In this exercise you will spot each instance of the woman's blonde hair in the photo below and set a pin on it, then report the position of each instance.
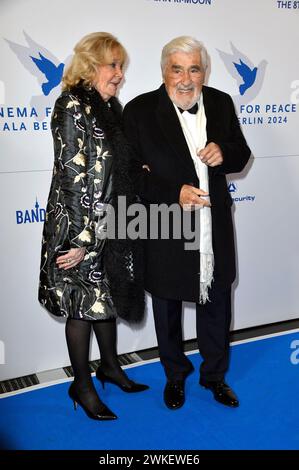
(91, 51)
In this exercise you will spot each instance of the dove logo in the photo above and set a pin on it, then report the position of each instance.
(30, 216)
(248, 76)
(40, 62)
(52, 73)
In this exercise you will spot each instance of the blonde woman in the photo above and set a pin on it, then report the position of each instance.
(88, 280)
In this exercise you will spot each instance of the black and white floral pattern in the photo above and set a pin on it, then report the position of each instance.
(80, 186)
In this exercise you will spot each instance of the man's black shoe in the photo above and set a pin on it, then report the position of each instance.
(222, 392)
(174, 394)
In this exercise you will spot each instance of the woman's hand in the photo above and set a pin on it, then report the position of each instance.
(71, 259)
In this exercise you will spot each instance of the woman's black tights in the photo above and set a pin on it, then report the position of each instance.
(105, 331)
(78, 342)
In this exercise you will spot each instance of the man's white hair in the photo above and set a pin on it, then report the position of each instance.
(185, 44)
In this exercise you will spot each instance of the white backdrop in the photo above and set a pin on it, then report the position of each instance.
(252, 34)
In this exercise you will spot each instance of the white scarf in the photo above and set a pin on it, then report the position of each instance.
(194, 129)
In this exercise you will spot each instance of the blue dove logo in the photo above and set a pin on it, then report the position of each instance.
(249, 77)
(52, 73)
(39, 62)
(247, 74)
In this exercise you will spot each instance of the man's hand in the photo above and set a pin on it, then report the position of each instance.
(71, 259)
(211, 155)
(190, 198)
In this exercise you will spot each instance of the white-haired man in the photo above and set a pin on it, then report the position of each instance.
(185, 138)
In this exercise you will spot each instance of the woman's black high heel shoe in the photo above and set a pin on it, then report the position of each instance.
(132, 387)
(103, 414)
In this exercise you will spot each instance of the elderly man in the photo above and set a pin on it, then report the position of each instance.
(185, 138)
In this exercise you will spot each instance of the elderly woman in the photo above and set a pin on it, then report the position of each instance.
(89, 280)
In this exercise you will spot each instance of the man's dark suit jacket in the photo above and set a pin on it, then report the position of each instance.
(153, 129)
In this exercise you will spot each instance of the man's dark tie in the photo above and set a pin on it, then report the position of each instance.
(192, 110)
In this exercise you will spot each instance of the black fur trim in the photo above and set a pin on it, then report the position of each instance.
(120, 254)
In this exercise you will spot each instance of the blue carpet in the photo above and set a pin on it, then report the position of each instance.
(261, 373)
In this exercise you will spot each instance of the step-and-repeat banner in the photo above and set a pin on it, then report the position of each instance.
(253, 47)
